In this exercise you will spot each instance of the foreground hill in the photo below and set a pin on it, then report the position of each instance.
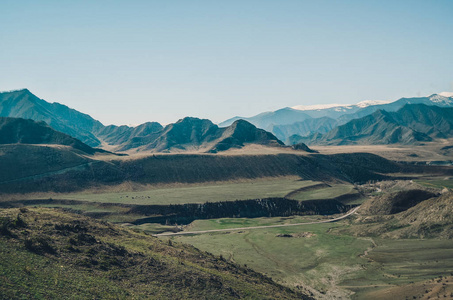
(193, 134)
(411, 124)
(25, 131)
(47, 253)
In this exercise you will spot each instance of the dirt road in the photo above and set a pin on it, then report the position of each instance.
(260, 227)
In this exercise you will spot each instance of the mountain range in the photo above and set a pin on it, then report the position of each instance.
(193, 134)
(308, 120)
(186, 134)
(290, 115)
(405, 121)
(413, 123)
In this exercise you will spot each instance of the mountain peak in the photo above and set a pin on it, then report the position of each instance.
(446, 94)
(242, 123)
(366, 103)
(319, 106)
(440, 99)
(341, 107)
(190, 120)
(24, 90)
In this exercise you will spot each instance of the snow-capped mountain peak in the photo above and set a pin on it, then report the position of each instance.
(366, 103)
(440, 98)
(340, 107)
(446, 94)
(320, 106)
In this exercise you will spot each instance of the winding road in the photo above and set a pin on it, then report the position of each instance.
(259, 227)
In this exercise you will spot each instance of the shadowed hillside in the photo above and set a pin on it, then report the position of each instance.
(50, 169)
(22, 131)
(395, 202)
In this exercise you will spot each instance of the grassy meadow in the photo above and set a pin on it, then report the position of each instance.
(437, 183)
(335, 265)
(320, 258)
(201, 193)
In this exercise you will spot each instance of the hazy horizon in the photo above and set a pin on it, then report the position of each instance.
(129, 63)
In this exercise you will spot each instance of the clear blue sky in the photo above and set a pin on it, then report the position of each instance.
(127, 62)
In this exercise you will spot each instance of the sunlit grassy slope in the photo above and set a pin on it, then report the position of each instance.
(50, 254)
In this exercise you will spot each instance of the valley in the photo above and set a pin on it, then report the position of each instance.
(338, 260)
(352, 214)
(337, 266)
(214, 150)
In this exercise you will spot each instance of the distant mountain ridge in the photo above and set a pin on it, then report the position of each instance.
(413, 123)
(193, 133)
(305, 120)
(304, 128)
(434, 99)
(186, 134)
(116, 135)
(282, 116)
(23, 104)
(367, 122)
(299, 113)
